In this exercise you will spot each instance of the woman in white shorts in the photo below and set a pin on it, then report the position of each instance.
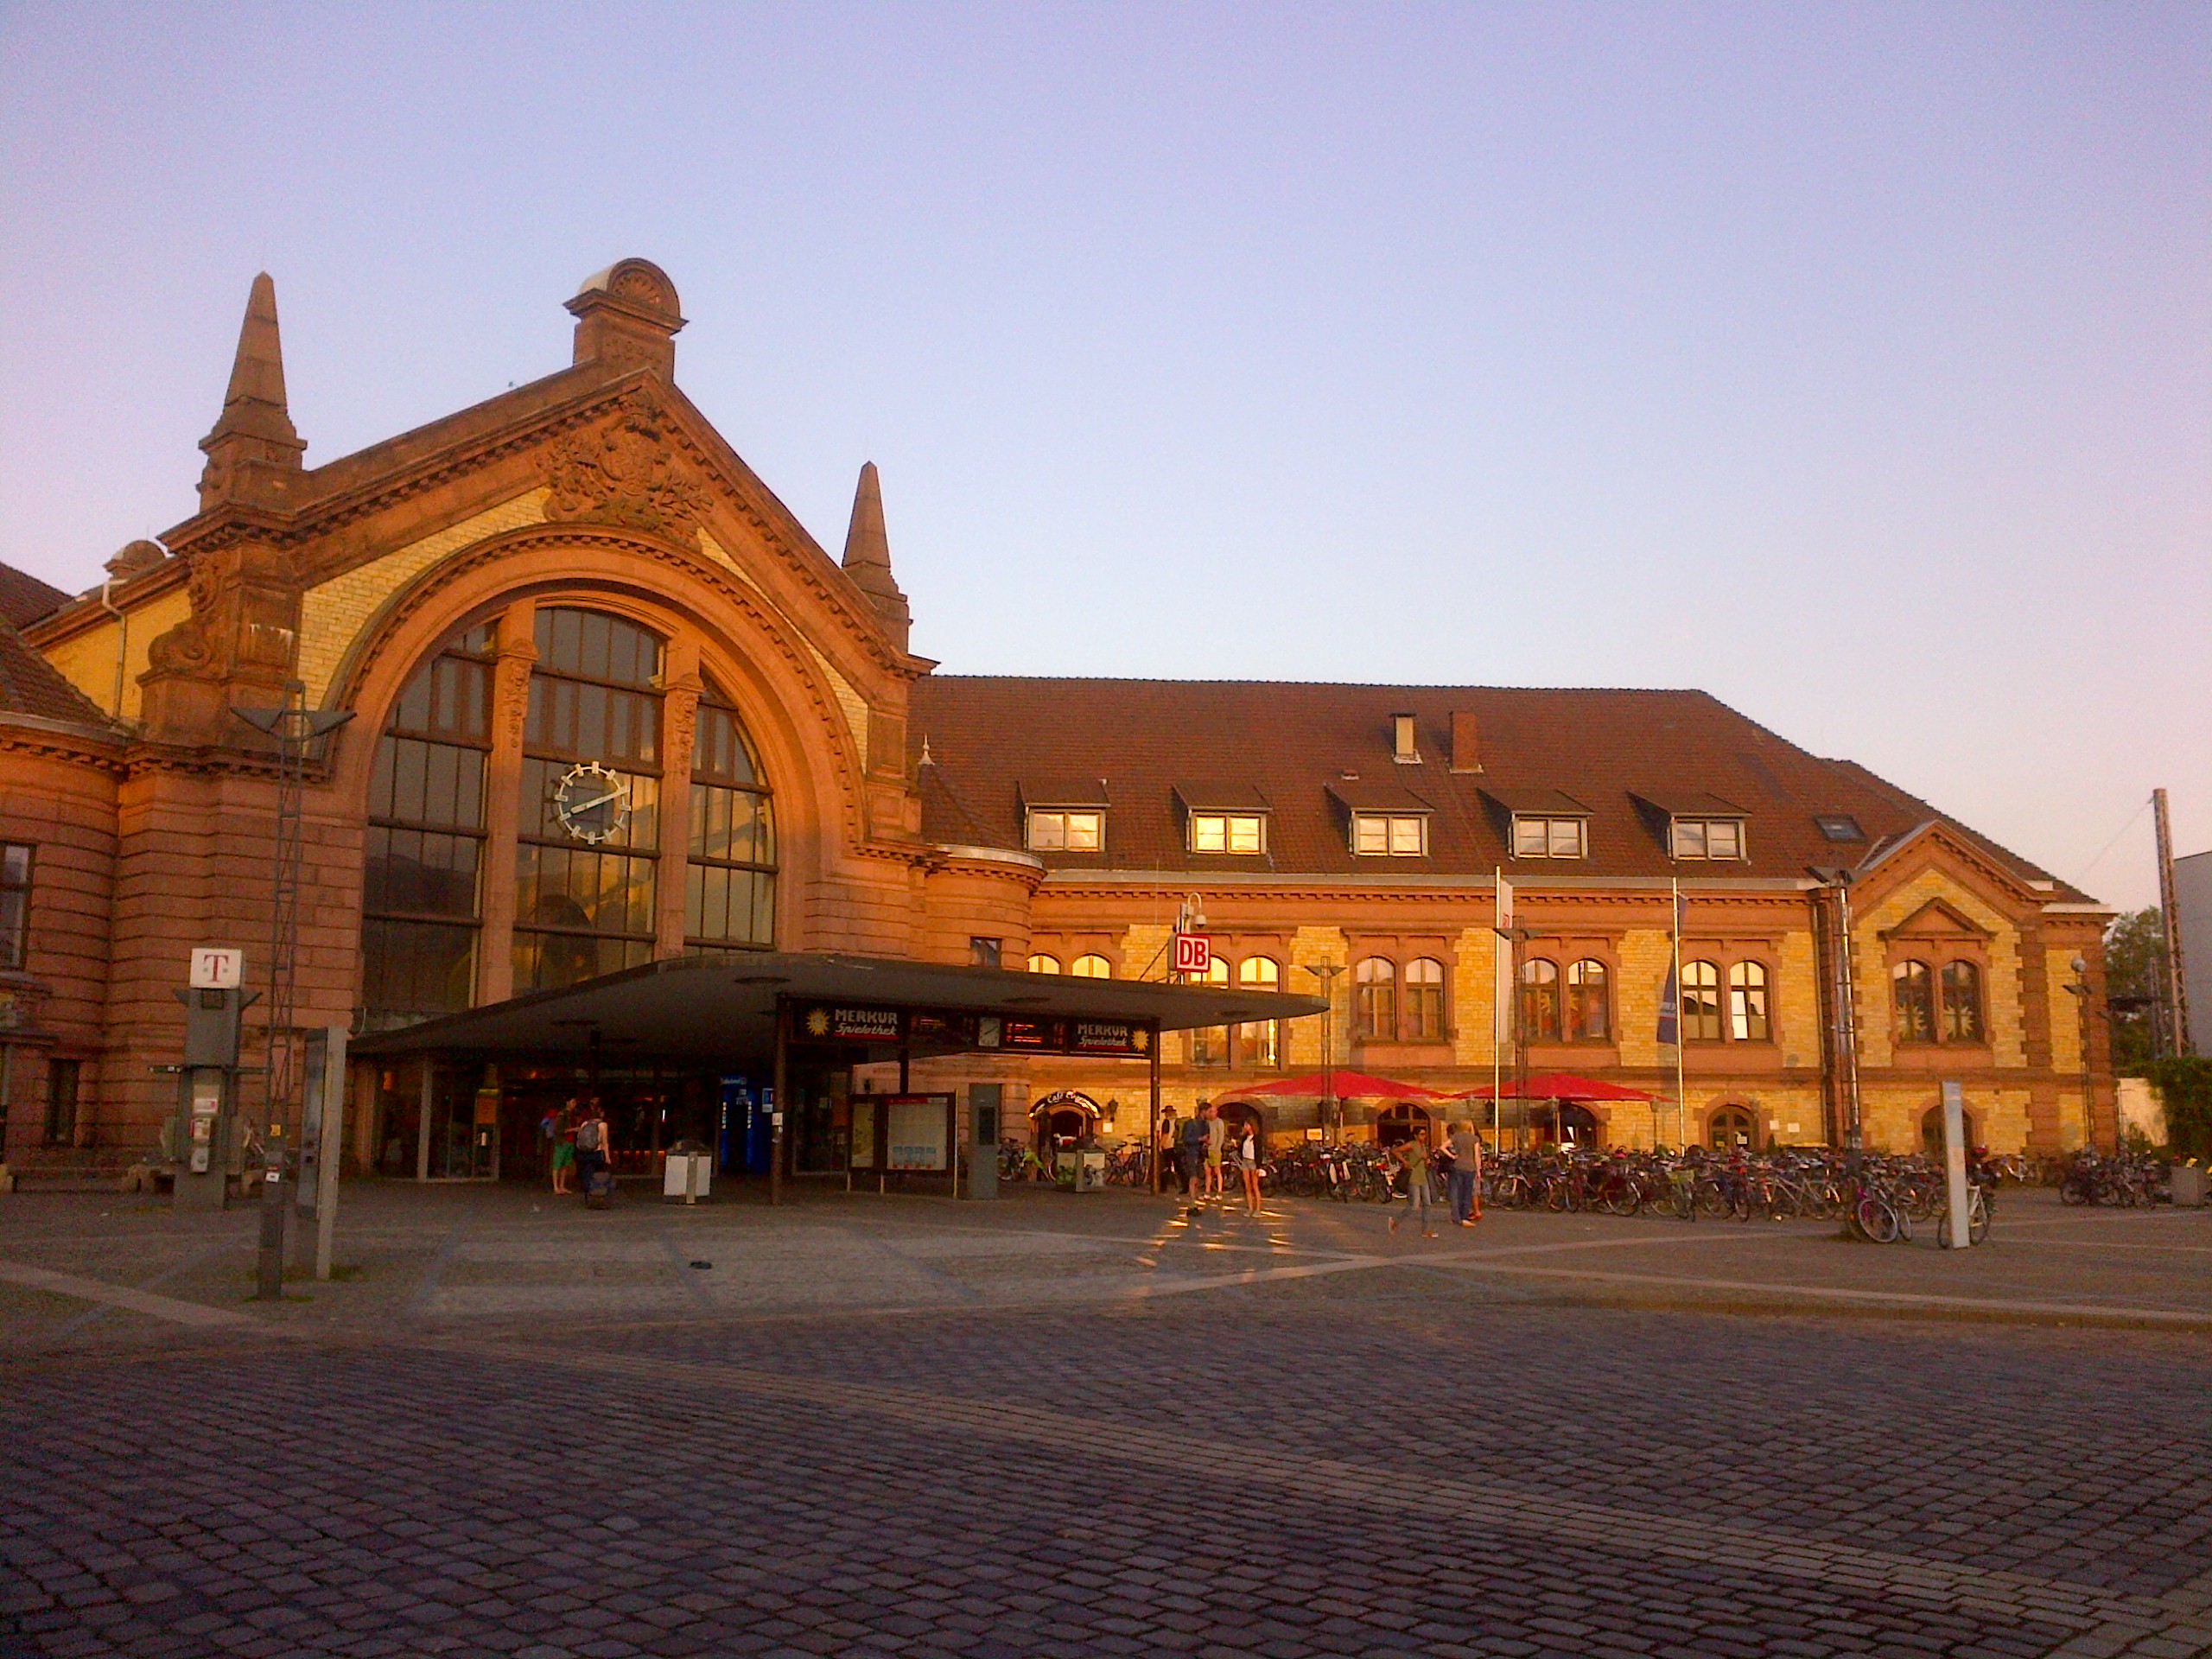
(1248, 1164)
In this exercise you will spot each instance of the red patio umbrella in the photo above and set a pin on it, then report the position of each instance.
(1345, 1085)
(1556, 1085)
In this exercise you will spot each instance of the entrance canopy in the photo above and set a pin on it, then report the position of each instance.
(722, 1008)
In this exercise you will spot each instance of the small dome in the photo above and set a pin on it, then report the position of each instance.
(637, 281)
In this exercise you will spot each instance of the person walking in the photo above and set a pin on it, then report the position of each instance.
(1466, 1177)
(1216, 1148)
(1413, 1154)
(594, 1144)
(1248, 1164)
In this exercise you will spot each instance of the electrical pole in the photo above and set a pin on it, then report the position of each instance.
(2175, 992)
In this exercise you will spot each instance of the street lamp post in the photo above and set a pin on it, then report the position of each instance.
(2080, 989)
(1326, 972)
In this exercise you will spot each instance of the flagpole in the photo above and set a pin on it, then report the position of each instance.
(1497, 1015)
(1681, 1011)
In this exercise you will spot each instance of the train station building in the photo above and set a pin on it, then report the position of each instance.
(613, 709)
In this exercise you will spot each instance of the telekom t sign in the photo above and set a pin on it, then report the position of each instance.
(1194, 953)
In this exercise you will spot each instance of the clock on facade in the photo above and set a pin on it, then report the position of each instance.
(592, 802)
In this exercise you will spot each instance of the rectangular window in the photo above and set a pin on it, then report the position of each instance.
(1066, 832)
(15, 903)
(1548, 837)
(1389, 835)
(982, 953)
(61, 1083)
(1708, 838)
(1228, 832)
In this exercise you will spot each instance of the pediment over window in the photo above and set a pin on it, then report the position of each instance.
(1937, 920)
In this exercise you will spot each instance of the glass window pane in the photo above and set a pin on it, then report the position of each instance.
(1689, 838)
(1567, 838)
(1083, 832)
(1244, 834)
(1529, 838)
(1209, 835)
(1405, 836)
(1043, 964)
(1723, 839)
(1371, 835)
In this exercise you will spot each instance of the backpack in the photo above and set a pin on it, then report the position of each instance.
(1195, 1133)
(589, 1136)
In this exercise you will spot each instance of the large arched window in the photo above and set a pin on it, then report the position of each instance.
(1210, 1044)
(1041, 963)
(1424, 1001)
(1747, 1012)
(1961, 1002)
(729, 902)
(1913, 995)
(1539, 1000)
(1701, 1002)
(1589, 1005)
(1092, 967)
(585, 868)
(1260, 1042)
(1374, 999)
(421, 896)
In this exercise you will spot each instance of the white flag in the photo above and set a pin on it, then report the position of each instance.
(1502, 955)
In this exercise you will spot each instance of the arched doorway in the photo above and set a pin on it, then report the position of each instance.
(1240, 1115)
(1575, 1126)
(1063, 1118)
(1394, 1124)
(1731, 1128)
(1931, 1132)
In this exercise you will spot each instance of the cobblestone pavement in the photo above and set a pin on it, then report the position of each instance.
(1329, 1450)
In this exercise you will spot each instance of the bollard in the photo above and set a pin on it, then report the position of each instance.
(271, 1288)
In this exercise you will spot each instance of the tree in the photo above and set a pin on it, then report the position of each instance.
(2135, 981)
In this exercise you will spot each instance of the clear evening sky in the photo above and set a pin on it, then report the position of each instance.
(1850, 362)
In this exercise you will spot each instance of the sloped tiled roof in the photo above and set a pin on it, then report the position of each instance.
(1313, 751)
(31, 685)
(24, 598)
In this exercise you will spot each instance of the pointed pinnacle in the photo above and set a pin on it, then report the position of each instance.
(254, 404)
(868, 546)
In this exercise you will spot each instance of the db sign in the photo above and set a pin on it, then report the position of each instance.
(217, 970)
(1194, 953)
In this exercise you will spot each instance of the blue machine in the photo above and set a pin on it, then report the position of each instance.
(747, 1137)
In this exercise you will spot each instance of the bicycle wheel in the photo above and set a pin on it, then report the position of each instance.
(1978, 1220)
(1876, 1219)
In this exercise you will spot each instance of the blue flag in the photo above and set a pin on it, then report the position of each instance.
(1668, 1012)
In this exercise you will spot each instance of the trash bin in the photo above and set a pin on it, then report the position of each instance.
(2189, 1184)
(1090, 1170)
(689, 1173)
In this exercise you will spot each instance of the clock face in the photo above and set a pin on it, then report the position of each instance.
(592, 802)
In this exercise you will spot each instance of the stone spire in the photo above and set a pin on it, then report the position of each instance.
(868, 556)
(253, 444)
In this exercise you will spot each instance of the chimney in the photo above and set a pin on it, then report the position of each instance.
(627, 318)
(1467, 745)
(1405, 743)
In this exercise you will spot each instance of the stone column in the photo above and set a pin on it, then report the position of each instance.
(679, 724)
(518, 652)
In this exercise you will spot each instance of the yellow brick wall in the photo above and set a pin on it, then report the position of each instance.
(1797, 1000)
(1140, 944)
(1474, 997)
(1646, 955)
(333, 612)
(1311, 946)
(2065, 1013)
(87, 660)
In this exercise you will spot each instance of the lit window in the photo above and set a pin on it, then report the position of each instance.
(1043, 964)
(1747, 1018)
(1058, 831)
(1539, 1000)
(1378, 834)
(15, 906)
(1588, 1017)
(1261, 1041)
(1548, 837)
(1228, 832)
(1210, 1044)
(1092, 967)
(1961, 1002)
(1709, 838)
(1912, 994)
(1424, 1001)
(1374, 999)
(1700, 1015)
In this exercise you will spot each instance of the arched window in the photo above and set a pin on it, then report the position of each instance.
(1701, 1002)
(421, 899)
(1425, 1001)
(1539, 1000)
(1260, 1041)
(1210, 1044)
(1092, 967)
(1912, 994)
(729, 900)
(1043, 964)
(1731, 1129)
(1394, 1124)
(1747, 1016)
(1374, 999)
(1961, 1002)
(1589, 1005)
(589, 828)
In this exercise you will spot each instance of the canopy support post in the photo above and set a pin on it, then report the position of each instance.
(1152, 1109)
(781, 1090)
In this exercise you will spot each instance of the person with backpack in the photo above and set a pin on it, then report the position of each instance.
(1197, 1136)
(593, 1145)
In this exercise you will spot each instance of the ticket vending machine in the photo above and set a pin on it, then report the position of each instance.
(747, 1135)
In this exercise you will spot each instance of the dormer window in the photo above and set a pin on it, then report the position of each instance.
(1229, 832)
(1389, 835)
(1708, 838)
(1535, 837)
(1055, 830)
(1405, 747)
